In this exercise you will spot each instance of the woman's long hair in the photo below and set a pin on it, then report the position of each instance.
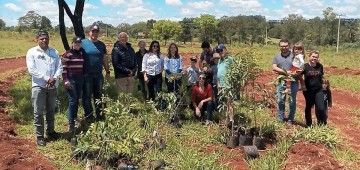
(176, 52)
(151, 47)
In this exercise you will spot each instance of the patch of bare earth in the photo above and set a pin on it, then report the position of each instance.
(311, 156)
(15, 152)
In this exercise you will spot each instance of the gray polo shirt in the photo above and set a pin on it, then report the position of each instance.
(283, 62)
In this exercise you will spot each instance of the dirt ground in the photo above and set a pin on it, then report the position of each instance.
(305, 155)
(15, 152)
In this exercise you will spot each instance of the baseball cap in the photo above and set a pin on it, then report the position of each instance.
(42, 32)
(221, 47)
(94, 26)
(76, 39)
(205, 44)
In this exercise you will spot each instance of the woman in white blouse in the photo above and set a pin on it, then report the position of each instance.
(152, 67)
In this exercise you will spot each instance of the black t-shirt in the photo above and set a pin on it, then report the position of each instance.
(313, 76)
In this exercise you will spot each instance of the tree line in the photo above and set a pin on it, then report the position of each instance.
(253, 29)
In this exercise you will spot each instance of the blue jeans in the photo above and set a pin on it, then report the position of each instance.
(73, 95)
(43, 101)
(281, 101)
(93, 84)
(208, 107)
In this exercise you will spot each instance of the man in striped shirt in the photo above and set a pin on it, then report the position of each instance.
(73, 61)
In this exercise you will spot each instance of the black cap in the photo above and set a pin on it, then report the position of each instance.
(41, 32)
(76, 39)
(94, 26)
(205, 44)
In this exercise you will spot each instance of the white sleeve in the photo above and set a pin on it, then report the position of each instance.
(58, 67)
(144, 62)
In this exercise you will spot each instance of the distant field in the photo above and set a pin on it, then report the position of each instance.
(13, 44)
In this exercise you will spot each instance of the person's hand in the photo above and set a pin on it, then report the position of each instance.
(131, 73)
(198, 112)
(200, 104)
(68, 85)
(107, 77)
(51, 81)
(329, 108)
(146, 79)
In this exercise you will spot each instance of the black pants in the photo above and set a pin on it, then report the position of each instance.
(154, 85)
(173, 85)
(315, 97)
(208, 107)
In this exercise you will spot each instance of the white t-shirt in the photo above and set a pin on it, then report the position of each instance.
(298, 61)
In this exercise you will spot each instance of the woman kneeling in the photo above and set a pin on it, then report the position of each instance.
(201, 99)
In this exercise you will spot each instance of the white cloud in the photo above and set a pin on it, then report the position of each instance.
(187, 11)
(345, 9)
(113, 2)
(173, 2)
(13, 7)
(89, 6)
(244, 4)
(202, 5)
(137, 12)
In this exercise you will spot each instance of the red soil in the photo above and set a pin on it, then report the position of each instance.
(15, 152)
(312, 156)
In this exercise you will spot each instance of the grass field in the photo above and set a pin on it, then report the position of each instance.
(185, 145)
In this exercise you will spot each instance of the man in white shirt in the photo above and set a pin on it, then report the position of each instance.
(45, 68)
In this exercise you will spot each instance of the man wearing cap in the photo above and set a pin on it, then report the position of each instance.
(94, 61)
(45, 68)
(223, 66)
(124, 63)
(73, 78)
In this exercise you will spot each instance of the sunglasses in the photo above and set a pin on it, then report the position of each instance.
(155, 46)
(202, 78)
(96, 31)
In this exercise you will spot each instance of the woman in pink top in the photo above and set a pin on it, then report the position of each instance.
(201, 99)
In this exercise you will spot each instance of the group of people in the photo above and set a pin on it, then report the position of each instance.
(315, 87)
(81, 68)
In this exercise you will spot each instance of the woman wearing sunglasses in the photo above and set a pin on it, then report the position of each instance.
(201, 99)
(152, 67)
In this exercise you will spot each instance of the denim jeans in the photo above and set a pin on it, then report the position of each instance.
(208, 107)
(154, 85)
(74, 95)
(315, 97)
(43, 99)
(93, 84)
(173, 85)
(292, 102)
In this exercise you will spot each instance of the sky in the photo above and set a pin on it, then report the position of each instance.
(132, 11)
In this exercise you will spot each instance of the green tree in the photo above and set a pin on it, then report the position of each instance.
(45, 23)
(139, 27)
(294, 27)
(187, 25)
(2, 24)
(166, 29)
(30, 20)
(330, 20)
(207, 25)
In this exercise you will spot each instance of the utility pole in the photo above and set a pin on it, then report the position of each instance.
(338, 36)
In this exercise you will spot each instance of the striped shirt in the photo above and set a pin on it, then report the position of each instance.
(73, 62)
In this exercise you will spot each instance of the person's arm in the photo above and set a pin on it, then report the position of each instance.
(65, 61)
(143, 66)
(180, 65)
(135, 60)
(116, 61)
(167, 65)
(33, 70)
(161, 63)
(58, 67)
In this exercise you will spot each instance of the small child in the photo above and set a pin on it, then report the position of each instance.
(297, 66)
(327, 97)
(192, 73)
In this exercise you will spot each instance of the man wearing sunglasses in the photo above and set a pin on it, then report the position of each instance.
(94, 61)
(44, 66)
